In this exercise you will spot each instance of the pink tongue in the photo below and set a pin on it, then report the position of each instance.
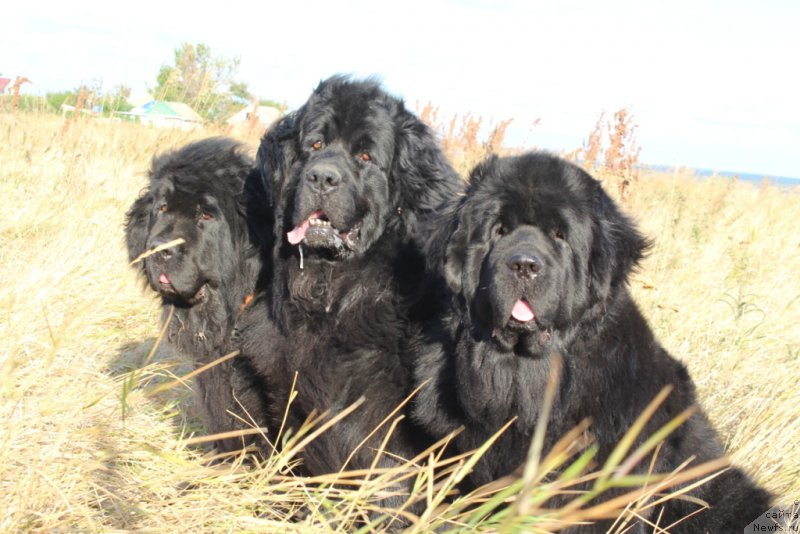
(299, 232)
(163, 279)
(522, 311)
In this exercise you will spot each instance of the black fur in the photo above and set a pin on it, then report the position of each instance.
(340, 319)
(196, 193)
(536, 229)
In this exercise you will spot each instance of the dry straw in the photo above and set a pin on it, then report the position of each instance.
(159, 248)
(80, 348)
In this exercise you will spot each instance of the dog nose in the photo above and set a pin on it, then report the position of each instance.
(323, 178)
(525, 265)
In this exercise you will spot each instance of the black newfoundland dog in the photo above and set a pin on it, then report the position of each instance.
(538, 257)
(355, 179)
(197, 194)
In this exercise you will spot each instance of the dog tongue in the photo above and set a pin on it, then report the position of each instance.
(522, 311)
(299, 232)
(163, 279)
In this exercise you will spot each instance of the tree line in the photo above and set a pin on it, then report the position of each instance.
(206, 82)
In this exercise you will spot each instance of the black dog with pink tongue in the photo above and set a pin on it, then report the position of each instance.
(537, 257)
(355, 180)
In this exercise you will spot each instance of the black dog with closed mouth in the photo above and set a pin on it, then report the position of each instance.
(538, 257)
(197, 194)
(354, 179)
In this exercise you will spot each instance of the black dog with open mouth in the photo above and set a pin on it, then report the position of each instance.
(355, 179)
(197, 195)
(537, 257)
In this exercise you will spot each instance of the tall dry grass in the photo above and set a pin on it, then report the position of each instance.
(620, 151)
(721, 290)
(462, 138)
(89, 442)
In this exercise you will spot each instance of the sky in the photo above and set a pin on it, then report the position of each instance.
(711, 84)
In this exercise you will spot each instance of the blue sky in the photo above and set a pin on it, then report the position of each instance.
(711, 84)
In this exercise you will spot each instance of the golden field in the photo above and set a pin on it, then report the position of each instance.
(87, 444)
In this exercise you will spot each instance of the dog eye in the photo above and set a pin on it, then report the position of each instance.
(558, 234)
(364, 156)
(316, 145)
(206, 216)
(500, 230)
(163, 208)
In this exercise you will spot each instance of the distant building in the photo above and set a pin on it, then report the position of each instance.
(66, 108)
(166, 115)
(266, 116)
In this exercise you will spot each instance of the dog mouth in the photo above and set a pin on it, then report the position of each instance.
(165, 284)
(513, 320)
(510, 319)
(522, 332)
(168, 291)
(317, 231)
(522, 312)
(520, 319)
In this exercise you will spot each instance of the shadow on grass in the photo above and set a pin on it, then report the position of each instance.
(133, 355)
(145, 365)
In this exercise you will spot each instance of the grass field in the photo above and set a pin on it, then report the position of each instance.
(86, 444)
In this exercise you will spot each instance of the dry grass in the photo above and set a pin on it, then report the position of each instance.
(721, 290)
(460, 136)
(19, 81)
(620, 165)
(89, 442)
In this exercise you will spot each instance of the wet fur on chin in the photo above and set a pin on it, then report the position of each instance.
(540, 212)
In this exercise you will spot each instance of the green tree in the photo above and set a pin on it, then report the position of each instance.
(203, 81)
(54, 100)
(240, 91)
(116, 100)
(95, 98)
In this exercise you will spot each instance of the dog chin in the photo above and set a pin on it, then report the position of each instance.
(522, 338)
(338, 244)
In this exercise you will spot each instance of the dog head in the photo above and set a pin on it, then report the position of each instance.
(190, 219)
(534, 244)
(349, 166)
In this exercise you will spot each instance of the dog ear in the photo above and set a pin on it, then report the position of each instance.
(482, 170)
(617, 247)
(429, 181)
(443, 244)
(459, 248)
(276, 155)
(254, 207)
(277, 151)
(137, 224)
(464, 242)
